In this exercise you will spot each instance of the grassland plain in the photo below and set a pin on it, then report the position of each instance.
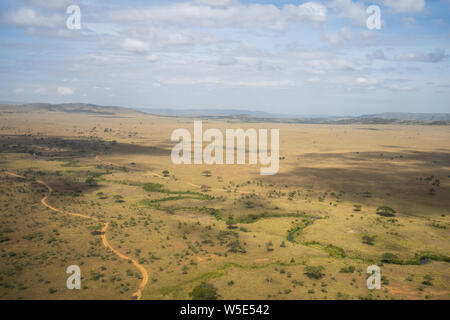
(251, 236)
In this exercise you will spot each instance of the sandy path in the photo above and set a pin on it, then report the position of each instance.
(138, 294)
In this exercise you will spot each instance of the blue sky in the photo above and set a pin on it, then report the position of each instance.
(294, 57)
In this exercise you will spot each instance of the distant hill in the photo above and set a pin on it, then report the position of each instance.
(248, 114)
(408, 116)
(234, 114)
(211, 112)
(68, 108)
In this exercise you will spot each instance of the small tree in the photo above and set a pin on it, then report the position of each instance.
(368, 239)
(231, 223)
(90, 181)
(204, 291)
(207, 173)
(386, 211)
(166, 173)
(389, 257)
(315, 272)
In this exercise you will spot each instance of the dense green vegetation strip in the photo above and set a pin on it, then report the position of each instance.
(292, 235)
(221, 271)
(337, 252)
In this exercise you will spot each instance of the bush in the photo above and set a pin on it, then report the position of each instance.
(335, 251)
(386, 211)
(235, 247)
(390, 258)
(206, 173)
(204, 291)
(315, 272)
(152, 187)
(349, 269)
(368, 239)
(427, 280)
(90, 181)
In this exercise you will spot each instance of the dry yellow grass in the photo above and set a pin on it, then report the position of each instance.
(180, 242)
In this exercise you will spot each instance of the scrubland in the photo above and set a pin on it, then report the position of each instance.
(345, 197)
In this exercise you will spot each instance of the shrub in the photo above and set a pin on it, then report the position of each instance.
(349, 269)
(269, 246)
(386, 211)
(315, 272)
(206, 173)
(368, 239)
(390, 258)
(231, 223)
(235, 247)
(335, 251)
(152, 187)
(204, 291)
(427, 280)
(90, 181)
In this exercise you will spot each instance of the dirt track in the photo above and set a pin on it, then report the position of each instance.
(138, 294)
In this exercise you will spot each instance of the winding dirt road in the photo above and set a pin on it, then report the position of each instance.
(138, 294)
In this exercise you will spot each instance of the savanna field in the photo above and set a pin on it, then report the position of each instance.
(345, 197)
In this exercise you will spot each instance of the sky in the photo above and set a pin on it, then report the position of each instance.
(286, 56)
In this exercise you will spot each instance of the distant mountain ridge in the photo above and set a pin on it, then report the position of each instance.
(245, 115)
(211, 112)
(409, 116)
(69, 108)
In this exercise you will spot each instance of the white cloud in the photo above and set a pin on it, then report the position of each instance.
(152, 58)
(135, 45)
(234, 15)
(346, 34)
(227, 61)
(65, 91)
(332, 38)
(51, 4)
(29, 17)
(313, 79)
(19, 90)
(143, 40)
(377, 55)
(437, 56)
(215, 3)
(230, 83)
(355, 11)
(308, 11)
(409, 22)
(368, 83)
(40, 90)
(405, 6)
(397, 87)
